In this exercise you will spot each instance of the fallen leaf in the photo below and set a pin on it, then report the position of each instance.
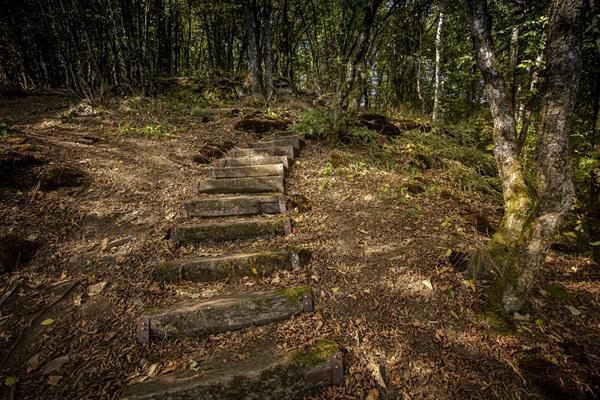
(169, 368)
(11, 381)
(254, 271)
(373, 394)
(152, 371)
(575, 312)
(96, 289)
(47, 322)
(427, 284)
(33, 363)
(454, 314)
(54, 379)
(334, 290)
(469, 283)
(55, 365)
(376, 372)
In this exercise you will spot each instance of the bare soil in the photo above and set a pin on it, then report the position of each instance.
(378, 237)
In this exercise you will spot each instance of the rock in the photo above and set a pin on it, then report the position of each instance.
(325, 100)
(15, 252)
(379, 123)
(260, 123)
(61, 176)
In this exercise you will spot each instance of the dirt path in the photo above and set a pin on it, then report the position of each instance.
(383, 287)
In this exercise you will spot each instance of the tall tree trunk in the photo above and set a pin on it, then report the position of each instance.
(268, 76)
(512, 68)
(250, 21)
(347, 100)
(517, 250)
(594, 200)
(438, 67)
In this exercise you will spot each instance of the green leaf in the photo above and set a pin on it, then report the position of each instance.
(595, 244)
(11, 381)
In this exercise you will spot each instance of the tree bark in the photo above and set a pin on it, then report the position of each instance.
(438, 66)
(268, 50)
(517, 250)
(250, 21)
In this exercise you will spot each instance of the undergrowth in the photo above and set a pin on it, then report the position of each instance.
(456, 150)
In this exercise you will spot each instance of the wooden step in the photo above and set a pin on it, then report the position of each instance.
(293, 141)
(223, 313)
(231, 230)
(268, 375)
(208, 269)
(247, 171)
(288, 151)
(256, 160)
(234, 205)
(256, 184)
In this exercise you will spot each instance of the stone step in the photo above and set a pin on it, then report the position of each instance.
(288, 151)
(267, 375)
(231, 230)
(256, 184)
(223, 313)
(256, 160)
(208, 269)
(234, 205)
(295, 141)
(247, 171)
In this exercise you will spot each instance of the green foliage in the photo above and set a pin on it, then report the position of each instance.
(454, 150)
(320, 124)
(152, 131)
(316, 124)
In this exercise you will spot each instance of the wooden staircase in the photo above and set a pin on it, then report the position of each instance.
(245, 187)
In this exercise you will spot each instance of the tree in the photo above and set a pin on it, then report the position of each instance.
(438, 68)
(532, 211)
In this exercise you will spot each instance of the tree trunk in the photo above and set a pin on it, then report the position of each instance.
(268, 51)
(517, 250)
(250, 20)
(438, 68)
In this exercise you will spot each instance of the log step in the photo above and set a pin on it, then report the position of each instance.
(241, 229)
(208, 269)
(293, 141)
(257, 184)
(267, 375)
(247, 171)
(288, 151)
(256, 160)
(224, 313)
(234, 205)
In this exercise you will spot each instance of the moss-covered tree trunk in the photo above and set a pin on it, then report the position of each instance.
(532, 213)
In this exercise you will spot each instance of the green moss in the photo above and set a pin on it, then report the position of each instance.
(295, 293)
(319, 353)
(497, 322)
(558, 292)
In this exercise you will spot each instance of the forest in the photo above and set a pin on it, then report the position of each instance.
(299, 199)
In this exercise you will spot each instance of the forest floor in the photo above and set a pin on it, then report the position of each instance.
(378, 234)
